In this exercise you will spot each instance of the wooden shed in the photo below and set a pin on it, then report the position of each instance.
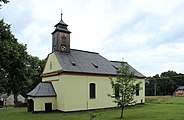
(179, 91)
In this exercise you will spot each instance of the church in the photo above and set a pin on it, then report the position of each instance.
(76, 80)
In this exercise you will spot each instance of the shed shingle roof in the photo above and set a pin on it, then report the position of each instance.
(44, 89)
(180, 88)
(89, 62)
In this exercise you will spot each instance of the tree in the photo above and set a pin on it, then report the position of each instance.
(4, 1)
(168, 74)
(34, 68)
(13, 62)
(124, 87)
(19, 71)
(152, 85)
(165, 84)
(178, 80)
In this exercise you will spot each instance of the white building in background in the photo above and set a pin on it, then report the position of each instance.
(8, 100)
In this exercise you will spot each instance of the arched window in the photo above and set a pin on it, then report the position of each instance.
(92, 90)
(116, 91)
(137, 89)
(50, 65)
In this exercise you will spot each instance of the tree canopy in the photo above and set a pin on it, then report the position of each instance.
(13, 60)
(18, 69)
(4, 1)
(164, 84)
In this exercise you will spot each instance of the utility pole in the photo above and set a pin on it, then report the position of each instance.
(155, 89)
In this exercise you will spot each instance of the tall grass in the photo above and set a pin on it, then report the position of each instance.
(165, 99)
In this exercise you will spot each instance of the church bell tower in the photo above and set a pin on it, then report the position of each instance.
(61, 37)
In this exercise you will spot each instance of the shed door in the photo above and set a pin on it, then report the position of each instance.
(1, 103)
(48, 107)
(30, 105)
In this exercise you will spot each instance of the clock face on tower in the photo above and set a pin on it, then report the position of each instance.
(63, 48)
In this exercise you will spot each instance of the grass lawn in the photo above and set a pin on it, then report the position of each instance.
(149, 111)
(165, 99)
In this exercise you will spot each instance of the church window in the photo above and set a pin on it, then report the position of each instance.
(116, 91)
(92, 89)
(137, 89)
(50, 64)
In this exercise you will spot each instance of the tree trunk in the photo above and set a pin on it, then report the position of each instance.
(15, 95)
(155, 89)
(122, 108)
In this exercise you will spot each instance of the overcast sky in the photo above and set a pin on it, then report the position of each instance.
(148, 34)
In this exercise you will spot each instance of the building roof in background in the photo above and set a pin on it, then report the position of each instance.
(5, 95)
(44, 89)
(180, 88)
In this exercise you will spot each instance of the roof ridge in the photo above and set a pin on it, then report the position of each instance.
(84, 51)
(36, 92)
(117, 61)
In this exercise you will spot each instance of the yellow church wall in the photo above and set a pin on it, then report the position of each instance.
(39, 102)
(103, 88)
(73, 93)
(59, 89)
(141, 97)
(52, 64)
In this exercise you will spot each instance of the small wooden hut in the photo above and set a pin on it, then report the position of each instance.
(179, 91)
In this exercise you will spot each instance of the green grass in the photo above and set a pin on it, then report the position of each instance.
(165, 99)
(149, 111)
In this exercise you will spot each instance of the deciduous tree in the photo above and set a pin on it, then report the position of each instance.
(19, 71)
(13, 61)
(165, 84)
(4, 1)
(124, 87)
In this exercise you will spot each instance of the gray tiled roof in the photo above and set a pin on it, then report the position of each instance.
(44, 89)
(180, 88)
(117, 64)
(88, 62)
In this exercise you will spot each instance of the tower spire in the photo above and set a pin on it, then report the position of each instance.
(61, 37)
(61, 13)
